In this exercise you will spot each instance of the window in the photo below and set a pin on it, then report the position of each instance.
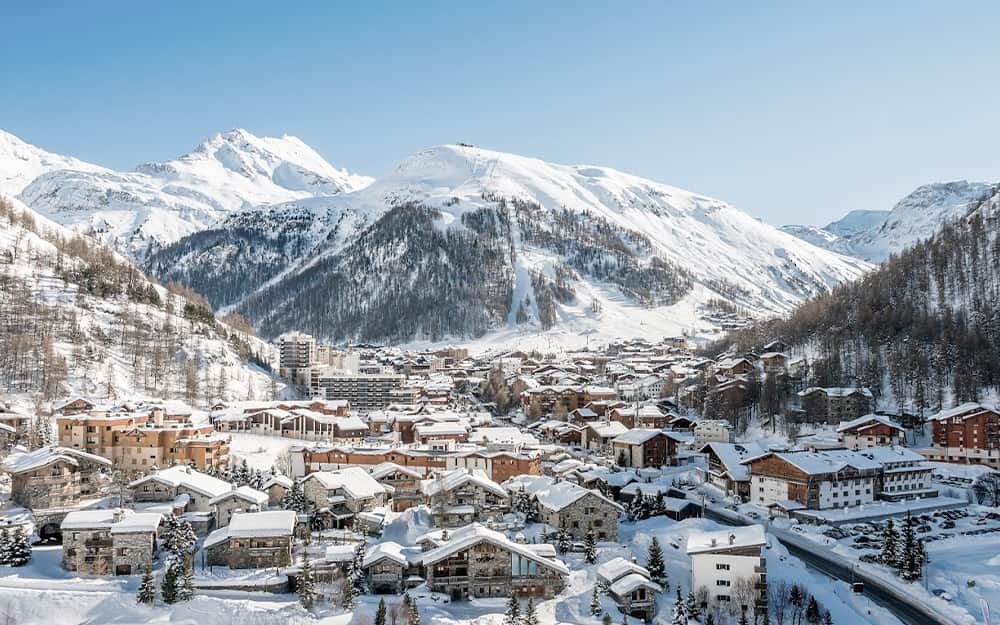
(721, 567)
(722, 582)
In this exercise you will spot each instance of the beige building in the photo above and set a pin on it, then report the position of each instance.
(109, 542)
(54, 477)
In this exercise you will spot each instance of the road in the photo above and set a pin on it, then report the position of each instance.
(898, 603)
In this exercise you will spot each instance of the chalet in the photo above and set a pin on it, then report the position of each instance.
(550, 399)
(106, 542)
(253, 540)
(343, 493)
(386, 568)
(463, 496)
(645, 448)
(834, 405)
(732, 367)
(680, 423)
(966, 434)
(597, 435)
(633, 416)
(478, 562)
(630, 586)
(54, 477)
(276, 486)
(195, 489)
(430, 432)
(726, 469)
(724, 561)
(870, 430)
(774, 362)
(73, 405)
(818, 480)
(16, 421)
(582, 415)
(776, 346)
(238, 500)
(567, 506)
(404, 483)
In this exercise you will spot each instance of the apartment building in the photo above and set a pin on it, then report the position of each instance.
(364, 391)
(966, 434)
(729, 567)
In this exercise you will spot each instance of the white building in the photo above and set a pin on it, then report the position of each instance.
(712, 431)
(730, 565)
(296, 353)
(818, 480)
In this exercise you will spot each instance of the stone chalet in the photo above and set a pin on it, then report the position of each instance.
(870, 430)
(106, 542)
(834, 405)
(403, 481)
(578, 510)
(195, 489)
(597, 435)
(253, 540)
(478, 562)
(242, 499)
(276, 487)
(54, 477)
(630, 586)
(462, 496)
(387, 569)
(339, 495)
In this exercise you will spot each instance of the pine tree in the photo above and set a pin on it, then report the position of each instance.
(590, 548)
(357, 572)
(147, 589)
(659, 504)
(654, 562)
(380, 613)
(606, 619)
(813, 614)
(743, 619)
(19, 551)
(910, 557)
(562, 541)
(169, 585)
(765, 619)
(827, 619)
(347, 594)
(5, 547)
(530, 615)
(709, 619)
(680, 616)
(305, 586)
(692, 607)
(512, 615)
(889, 554)
(186, 590)
(595, 603)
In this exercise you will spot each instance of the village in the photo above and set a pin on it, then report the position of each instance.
(640, 482)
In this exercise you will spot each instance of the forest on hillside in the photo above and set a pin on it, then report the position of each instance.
(922, 330)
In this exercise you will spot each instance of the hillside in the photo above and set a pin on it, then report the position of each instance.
(77, 318)
(159, 203)
(923, 330)
(459, 241)
(875, 235)
(21, 162)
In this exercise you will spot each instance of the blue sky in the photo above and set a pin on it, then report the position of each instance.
(795, 112)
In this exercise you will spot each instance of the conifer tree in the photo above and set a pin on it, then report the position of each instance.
(595, 603)
(19, 549)
(530, 615)
(512, 615)
(5, 547)
(380, 612)
(889, 553)
(743, 618)
(910, 558)
(590, 548)
(186, 590)
(562, 541)
(170, 585)
(709, 619)
(691, 606)
(305, 586)
(813, 613)
(679, 615)
(606, 619)
(147, 589)
(654, 562)
(347, 594)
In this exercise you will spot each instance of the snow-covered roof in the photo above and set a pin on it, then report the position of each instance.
(451, 480)
(355, 481)
(388, 468)
(890, 455)
(869, 420)
(837, 391)
(278, 480)
(183, 476)
(474, 534)
(93, 519)
(825, 461)
(731, 538)
(138, 522)
(560, 495)
(731, 455)
(255, 525)
(967, 409)
(617, 568)
(608, 429)
(631, 582)
(636, 437)
(245, 493)
(506, 435)
(29, 461)
(380, 551)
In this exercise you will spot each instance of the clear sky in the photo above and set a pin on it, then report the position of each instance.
(795, 112)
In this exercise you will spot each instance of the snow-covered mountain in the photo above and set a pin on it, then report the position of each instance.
(21, 162)
(875, 235)
(160, 203)
(78, 318)
(461, 241)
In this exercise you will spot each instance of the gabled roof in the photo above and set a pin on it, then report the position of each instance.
(965, 410)
(44, 456)
(380, 551)
(823, 462)
(474, 534)
(446, 482)
(245, 493)
(631, 582)
(732, 455)
(608, 429)
(637, 436)
(272, 523)
(182, 476)
(837, 391)
(869, 420)
(353, 480)
(617, 568)
(388, 468)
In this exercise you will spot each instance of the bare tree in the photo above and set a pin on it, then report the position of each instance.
(778, 600)
(987, 489)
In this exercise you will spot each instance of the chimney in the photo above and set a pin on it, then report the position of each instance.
(714, 541)
(732, 538)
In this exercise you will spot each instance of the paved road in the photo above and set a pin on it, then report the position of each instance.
(898, 603)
